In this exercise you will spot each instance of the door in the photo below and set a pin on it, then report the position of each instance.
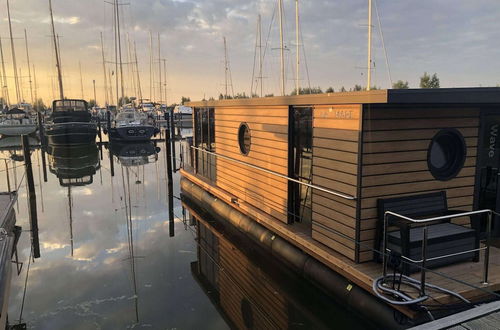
(300, 167)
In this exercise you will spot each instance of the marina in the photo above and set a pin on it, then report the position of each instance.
(142, 185)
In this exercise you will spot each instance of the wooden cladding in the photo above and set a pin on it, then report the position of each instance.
(269, 150)
(336, 131)
(394, 160)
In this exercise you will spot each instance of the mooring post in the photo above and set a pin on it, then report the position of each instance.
(44, 164)
(32, 197)
(8, 176)
(99, 133)
(41, 129)
(172, 134)
(170, 184)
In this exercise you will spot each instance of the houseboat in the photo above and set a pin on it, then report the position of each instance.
(388, 198)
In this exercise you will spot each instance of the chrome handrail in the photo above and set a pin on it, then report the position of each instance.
(328, 191)
(424, 259)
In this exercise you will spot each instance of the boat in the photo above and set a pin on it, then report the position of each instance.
(17, 122)
(131, 125)
(70, 123)
(9, 235)
(312, 178)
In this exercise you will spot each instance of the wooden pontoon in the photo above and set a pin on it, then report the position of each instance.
(311, 168)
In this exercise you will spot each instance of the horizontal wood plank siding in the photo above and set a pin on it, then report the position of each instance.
(336, 132)
(395, 144)
(269, 150)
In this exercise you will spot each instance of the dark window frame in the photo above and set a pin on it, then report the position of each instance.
(242, 130)
(454, 148)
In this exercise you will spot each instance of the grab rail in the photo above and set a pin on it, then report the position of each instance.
(328, 191)
(424, 259)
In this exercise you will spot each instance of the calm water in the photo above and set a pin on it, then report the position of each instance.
(108, 260)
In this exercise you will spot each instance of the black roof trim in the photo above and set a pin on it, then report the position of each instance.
(474, 95)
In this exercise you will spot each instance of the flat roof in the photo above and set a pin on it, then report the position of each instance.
(472, 95)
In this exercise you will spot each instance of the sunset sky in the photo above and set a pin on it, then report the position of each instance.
(457, 39)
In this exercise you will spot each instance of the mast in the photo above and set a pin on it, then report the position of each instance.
(150, 66)
(297, 84)
(369, 60)
(131, 66)
(165, 75)
(56, 48)
(35, 89)
(81, 79)
(119, 49)
(260, 53)
(159, 66)
(138, 77)
(29, 66)
(282, 49)
(5, 89)
(110, 88)
(115, 39)
(226, 67)
(14, 65)
(21, 83)
(104, 71)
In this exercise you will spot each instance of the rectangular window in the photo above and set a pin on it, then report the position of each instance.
(204, 138)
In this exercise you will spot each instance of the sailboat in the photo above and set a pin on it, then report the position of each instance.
(70, 121)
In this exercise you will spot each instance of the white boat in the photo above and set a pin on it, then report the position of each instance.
(17, 122)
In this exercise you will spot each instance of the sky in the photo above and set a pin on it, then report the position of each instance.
(456, 39)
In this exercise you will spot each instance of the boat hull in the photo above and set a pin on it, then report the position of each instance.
(71, 133)
(137, 133)
(14, 130)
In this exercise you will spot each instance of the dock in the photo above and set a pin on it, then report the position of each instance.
(485, 317)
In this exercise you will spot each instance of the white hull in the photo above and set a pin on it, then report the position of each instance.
(13, 130)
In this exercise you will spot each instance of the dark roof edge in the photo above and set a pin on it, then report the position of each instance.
(469, 95)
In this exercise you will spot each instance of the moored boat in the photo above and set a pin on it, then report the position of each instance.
(70, 123)
(131, 125)
(350, 185)
(17, 122)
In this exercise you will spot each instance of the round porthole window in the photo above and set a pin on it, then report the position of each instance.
(244, 138)
(446, 154)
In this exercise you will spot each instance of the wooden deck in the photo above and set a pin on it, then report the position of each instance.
(364, 273)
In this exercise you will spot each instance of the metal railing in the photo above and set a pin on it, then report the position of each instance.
(328, 191)
(424, 260)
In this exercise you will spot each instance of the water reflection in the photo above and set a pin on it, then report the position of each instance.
(130, 154)
(73, 165)
(251, 289)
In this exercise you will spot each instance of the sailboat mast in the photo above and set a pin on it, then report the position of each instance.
(159, 67)
(165, 75)
(81, 79)
(131, 65)
(150, 66)
(35, 104)
(297, 77)
(104, 71)
(14, 65)
(115, 39)
(282, 48)
(110, 86)
(226, 67)
(119, 49)
(139, 90)
(260, 53)
(56, 48)
(29, 66)
(369, 60)
(5, 88)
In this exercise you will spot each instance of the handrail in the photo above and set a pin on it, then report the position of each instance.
(328, 191)
(424, 242)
